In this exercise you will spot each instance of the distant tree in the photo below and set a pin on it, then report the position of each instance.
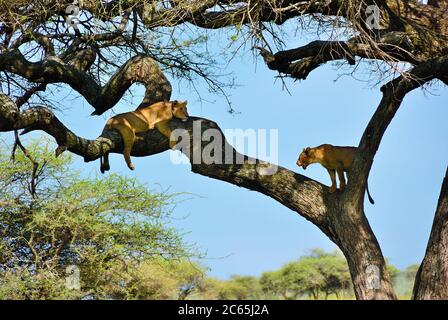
(411, 271)
(209, 288)
(335, 271)
(303, 278)
(52, 218)
(236, 288)
(240, 288)
(404, 281)
(190, 276)
(273, 284)
(312, 275)
(165, 279)
(393, 271)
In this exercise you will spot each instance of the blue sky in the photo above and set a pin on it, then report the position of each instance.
(244, 232)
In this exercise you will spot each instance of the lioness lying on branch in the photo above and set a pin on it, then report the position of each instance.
(334, 159)
(143, 119)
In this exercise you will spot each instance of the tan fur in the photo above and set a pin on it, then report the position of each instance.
(143, 119)
(334, 159)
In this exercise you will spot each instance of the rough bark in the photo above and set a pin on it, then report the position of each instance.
(431, 281)
(362, 251)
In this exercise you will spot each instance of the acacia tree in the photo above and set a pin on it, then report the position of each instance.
(311, 275)
(126, 40)
(114, 231)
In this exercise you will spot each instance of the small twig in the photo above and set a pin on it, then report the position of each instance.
(135, 27)
(18, 143)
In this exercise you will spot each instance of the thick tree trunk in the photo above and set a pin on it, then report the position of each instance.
(431, 281)
(362, 251)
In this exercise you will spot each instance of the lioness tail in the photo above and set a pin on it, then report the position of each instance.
(368, 195)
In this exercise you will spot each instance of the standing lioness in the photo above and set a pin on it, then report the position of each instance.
(334, 159)
(143, 119)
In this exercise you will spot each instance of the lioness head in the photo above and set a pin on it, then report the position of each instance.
(180, 109)
(305, 158)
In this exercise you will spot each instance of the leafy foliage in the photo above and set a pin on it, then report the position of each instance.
(114, 229)
(236, 288)
(311, 275)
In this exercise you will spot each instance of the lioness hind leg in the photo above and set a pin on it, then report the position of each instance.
(341, 175)
(102, 165)
(104, 161)
(128, 136)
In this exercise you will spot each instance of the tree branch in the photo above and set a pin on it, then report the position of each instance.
(393, 94)
(318, 52)
(142, 69)
(297, 192)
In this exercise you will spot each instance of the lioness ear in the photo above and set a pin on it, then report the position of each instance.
(307, 150)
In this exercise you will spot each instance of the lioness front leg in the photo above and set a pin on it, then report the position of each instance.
(152, 120)
(341, 179)
(332, 174)
(166, 131)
